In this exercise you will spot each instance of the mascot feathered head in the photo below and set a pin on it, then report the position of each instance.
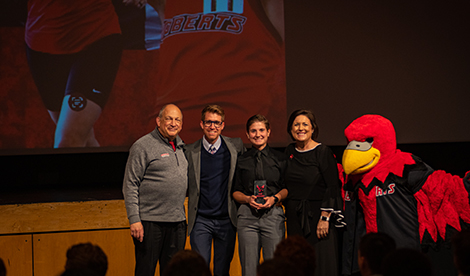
(371, 140)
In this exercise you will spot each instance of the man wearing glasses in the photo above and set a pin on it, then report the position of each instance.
(212, 213)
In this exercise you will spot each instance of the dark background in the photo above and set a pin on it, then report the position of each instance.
(406, 60)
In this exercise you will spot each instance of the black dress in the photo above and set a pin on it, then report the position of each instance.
(313, 184)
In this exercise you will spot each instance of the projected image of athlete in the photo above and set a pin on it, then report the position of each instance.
(73, 50)
(228, 52)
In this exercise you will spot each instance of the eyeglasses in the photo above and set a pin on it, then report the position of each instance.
(208, 123)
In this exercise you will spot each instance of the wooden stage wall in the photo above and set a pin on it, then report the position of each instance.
(35, 237)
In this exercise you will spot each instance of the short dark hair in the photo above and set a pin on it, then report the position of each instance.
(187, 263)
(374, 247)
(309, 115)
(87, 256)
(461, 251)
(297, 250)
(257, 118)
(406, 262)
(213, 108)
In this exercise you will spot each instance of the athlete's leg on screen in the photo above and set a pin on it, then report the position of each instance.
(75, 123)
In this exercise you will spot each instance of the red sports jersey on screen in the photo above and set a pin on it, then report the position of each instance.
(222, 52)
(65, 27)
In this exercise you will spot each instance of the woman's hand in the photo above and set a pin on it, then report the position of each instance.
(322, 229)
(253, 203)
(246, 199)
(270, 201)
(251, 200)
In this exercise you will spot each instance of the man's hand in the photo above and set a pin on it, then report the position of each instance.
(137, 231)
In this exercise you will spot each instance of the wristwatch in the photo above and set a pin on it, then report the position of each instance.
(325, 218)
(276, 200)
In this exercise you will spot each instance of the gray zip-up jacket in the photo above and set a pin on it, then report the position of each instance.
(155, 180)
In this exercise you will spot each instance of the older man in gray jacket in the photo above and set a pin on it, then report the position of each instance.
(155, 185)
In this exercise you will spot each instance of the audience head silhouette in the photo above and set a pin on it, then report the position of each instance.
(406, 262)
(79, 272)
(187, 263)
(298, 251)
(461, 250)
(86, 257)
(373, 248)
(277, 267)
(3, 269)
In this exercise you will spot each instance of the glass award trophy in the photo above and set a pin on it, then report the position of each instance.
(260, 191)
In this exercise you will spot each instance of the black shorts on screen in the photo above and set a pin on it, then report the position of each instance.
(90, 72)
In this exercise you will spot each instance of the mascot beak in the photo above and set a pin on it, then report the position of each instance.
(359, 157)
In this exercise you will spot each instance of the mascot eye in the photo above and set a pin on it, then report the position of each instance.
(360, 146)
(370, 140)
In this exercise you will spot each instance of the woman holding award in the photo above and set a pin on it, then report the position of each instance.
(259, 188)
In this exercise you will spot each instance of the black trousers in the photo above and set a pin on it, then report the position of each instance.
(161, 241)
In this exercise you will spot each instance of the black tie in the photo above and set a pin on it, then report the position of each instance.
(259, 174)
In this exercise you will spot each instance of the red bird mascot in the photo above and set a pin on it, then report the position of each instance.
(387, 190)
